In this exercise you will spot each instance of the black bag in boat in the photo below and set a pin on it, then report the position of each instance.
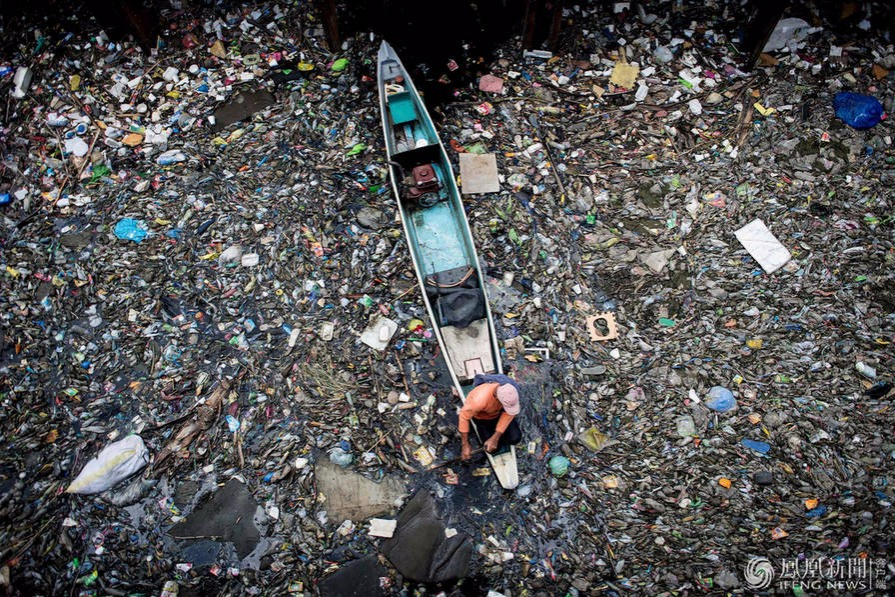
(460, 306)
(456, 297)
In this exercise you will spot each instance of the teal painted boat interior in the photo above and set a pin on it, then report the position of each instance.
(435, 231)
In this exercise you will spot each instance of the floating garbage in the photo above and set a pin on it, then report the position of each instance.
(341, 457)
(594, 440)
(201, 247)
(76, 146)
(559, 465)
(170, 157)
(858, 111)
(720, 399)
(130, 229)
(21, 81)
(379, 332)
(115, 463)
(760, 447)
(769, 252)
(865, 370)
(685, 426)
(787, 31)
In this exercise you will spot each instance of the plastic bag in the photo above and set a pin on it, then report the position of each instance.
(340, 457)
(858, 111)
(786, 31)
(760, 447)
(130, 229)
(594, 440)
(116, 462)
(721, 400)
(559, 465)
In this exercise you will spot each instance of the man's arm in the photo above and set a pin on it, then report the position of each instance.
(470, 409)
(465, 448)
(502, 423)
(492, 442)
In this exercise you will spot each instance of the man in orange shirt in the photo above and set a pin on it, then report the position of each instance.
(492, 405)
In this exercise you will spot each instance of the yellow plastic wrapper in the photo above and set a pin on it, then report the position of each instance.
(594, 440)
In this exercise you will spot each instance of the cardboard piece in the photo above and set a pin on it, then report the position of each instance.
(479, 173)
(764, 247)
(611, 328)
(351, 496)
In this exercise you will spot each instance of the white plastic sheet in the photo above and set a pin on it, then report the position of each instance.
(115, 463)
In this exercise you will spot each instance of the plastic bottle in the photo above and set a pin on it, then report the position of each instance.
(720, 399)
(865, 369)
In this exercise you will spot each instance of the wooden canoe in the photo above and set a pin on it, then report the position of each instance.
(440, 241)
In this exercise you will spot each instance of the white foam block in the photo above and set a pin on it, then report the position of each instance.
(763, 246)
(382, 527)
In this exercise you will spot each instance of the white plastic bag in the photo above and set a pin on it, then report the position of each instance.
(786, 31)
(116, 462)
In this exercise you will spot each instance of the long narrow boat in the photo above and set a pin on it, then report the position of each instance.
(439, 238)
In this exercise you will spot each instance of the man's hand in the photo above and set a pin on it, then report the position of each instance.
(491, 443)
(465, 448)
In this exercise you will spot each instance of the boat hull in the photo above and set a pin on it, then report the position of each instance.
(439, 239)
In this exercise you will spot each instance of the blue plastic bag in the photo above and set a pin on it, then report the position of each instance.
(720, 399)
(858, 111)
(816, 512)
(760, 447)
(130, 229)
